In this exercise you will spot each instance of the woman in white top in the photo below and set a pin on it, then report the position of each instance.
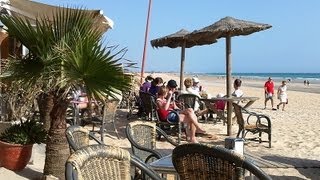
(282, 95)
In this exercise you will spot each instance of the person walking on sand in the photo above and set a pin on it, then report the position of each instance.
(269, 91)
(282, 95)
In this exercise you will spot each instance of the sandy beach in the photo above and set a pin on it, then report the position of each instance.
(295, 131)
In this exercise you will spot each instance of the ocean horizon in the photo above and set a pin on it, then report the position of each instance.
(311, 77)
(297, 77)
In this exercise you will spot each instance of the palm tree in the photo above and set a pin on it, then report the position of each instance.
(63, 54)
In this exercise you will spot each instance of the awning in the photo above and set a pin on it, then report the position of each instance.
(32, 10)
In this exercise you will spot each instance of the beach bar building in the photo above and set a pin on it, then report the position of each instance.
(32, 10)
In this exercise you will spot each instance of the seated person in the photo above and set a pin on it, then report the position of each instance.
(80, 98)
(217, 107)
(155, 85)
(237, 91)
(196, 86)
(166, 105)
(188, 84)
(147, 84)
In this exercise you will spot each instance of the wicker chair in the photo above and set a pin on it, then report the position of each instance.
(197, 161)
(261, 124)
(142, 136)
(104, 162)
(148, 110)
(107, 120)
(78, 137)
(188, 100)
(150, 107)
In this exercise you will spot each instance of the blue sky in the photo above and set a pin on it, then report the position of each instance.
(291, 45)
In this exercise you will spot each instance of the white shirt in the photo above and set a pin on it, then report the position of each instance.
(237, 93)
(195, 92)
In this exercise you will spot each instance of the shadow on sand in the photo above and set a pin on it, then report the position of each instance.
(306, 167)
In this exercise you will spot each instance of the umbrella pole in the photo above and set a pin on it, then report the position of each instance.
(228, 70)
(145, 43)
(183, 48)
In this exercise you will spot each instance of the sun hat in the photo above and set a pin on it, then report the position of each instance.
(172, 84)
(195, 79)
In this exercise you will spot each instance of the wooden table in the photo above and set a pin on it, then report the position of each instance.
(250, 100)
(165, 166)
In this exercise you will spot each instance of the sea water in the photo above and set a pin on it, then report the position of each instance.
(313, 78)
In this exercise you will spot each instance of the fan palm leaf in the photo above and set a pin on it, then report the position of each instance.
(64, 53)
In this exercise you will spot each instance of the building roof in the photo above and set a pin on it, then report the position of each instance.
(32, 10)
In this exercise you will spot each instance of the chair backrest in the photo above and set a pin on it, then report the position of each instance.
(198, 161)
(109, 110)
(188, 100)
(237, 110)
(142, 134)
(103, 162)
(78, 137)
(147, 102)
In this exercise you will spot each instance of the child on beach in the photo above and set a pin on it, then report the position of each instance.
(166, 105)
(282, 95)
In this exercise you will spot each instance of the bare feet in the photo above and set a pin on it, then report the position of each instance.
(200, 131)
(194, 141)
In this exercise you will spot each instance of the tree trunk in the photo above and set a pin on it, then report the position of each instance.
(57, 149)
(45, 103)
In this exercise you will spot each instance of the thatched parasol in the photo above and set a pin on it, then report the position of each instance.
(228, 27)
(179, 39)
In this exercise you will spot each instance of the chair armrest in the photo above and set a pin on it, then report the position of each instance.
(133, 143)
(258, 172)
(258, 117)
(135, 161)
(69, 171)
(94, 138)
(262, 116)
(159, 130)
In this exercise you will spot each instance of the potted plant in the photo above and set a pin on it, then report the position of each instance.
(17, 141)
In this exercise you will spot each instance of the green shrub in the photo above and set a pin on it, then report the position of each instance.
(28, 132)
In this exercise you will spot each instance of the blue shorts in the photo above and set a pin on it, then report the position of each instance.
(173, 117)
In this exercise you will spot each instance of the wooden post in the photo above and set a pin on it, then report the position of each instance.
(145, 43)
(228, 83)
(183, 48)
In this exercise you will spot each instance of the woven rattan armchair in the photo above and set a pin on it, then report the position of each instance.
(78, 137)
(256, 123)
(142, 136)
(198, 161)
(188, 101)
(104, 162)
(150, 107)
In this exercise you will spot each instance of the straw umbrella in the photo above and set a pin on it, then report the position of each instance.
(228, 27)
(179, 39)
